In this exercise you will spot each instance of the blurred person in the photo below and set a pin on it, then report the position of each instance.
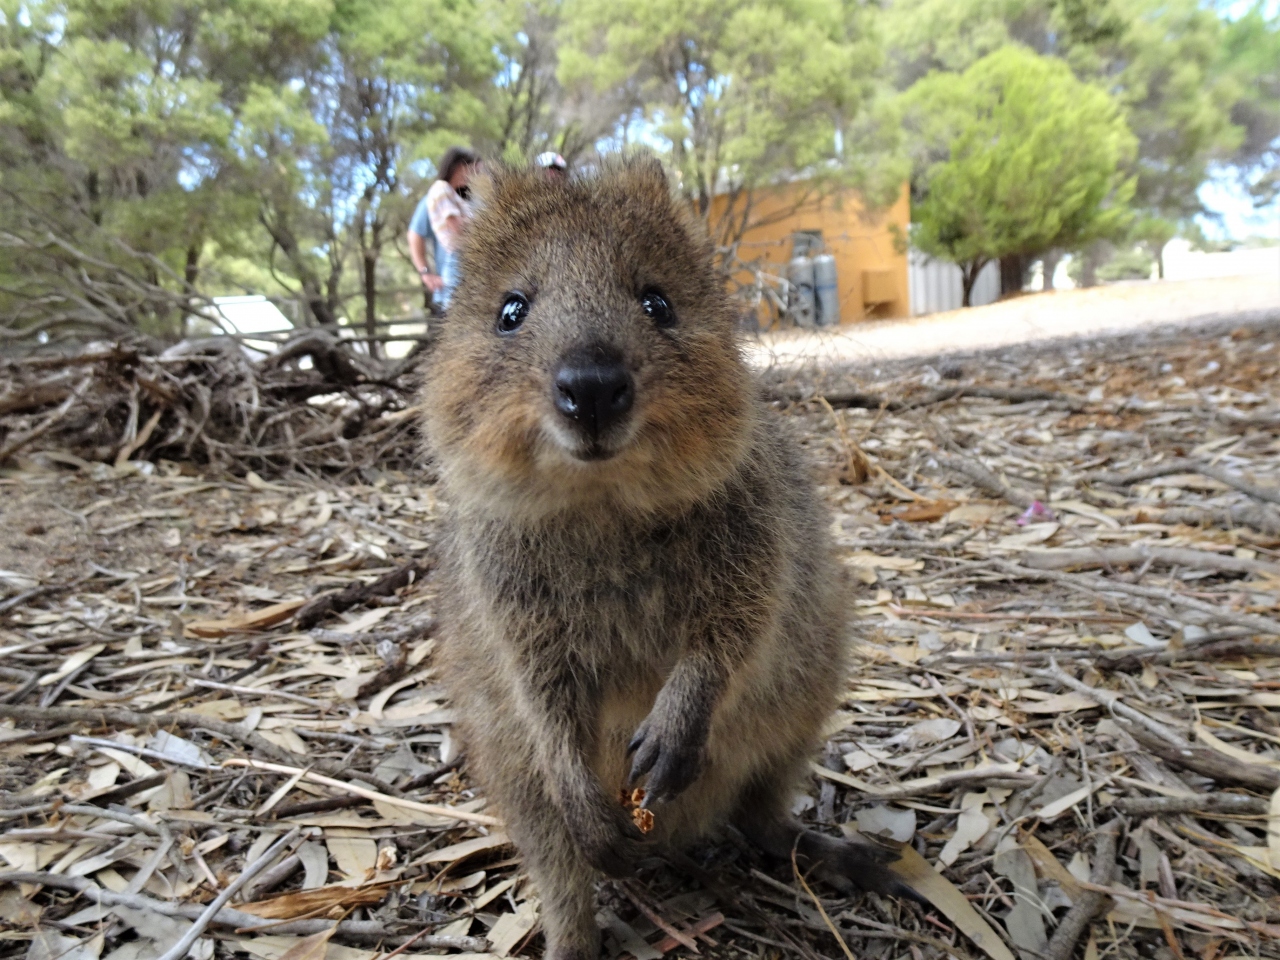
(439, 220)
(554, 164)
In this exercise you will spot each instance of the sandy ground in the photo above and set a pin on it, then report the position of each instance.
(1122, 308)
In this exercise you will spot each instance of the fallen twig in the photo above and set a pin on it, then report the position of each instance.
(231, 918)
(656, 918)
(997, 774)
(250, 871)
(1209, 470)
(1089, 558)
(872, 401)
(15, 443)
(434, 810)
(1209, 763)
(1253, 515)
(986, 481)
(357, 593)
(115, 717)
(1207, 803)
(1113, 703)
(795, 869)
(1095, 585)
(1090, 903)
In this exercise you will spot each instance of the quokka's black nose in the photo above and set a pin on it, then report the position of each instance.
(593, 395)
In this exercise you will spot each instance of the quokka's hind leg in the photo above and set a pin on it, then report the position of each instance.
(564, 880)
(848, 865)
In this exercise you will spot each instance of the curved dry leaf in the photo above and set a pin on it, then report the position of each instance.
(72, 664)
(915, 871)
(317, 902)
(252, 620)
(313, 947)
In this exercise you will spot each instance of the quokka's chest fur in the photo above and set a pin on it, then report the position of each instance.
(633, 586)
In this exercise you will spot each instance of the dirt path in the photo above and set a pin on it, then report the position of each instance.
(1037, 317)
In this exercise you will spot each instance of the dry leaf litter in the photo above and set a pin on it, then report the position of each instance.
(221, 731)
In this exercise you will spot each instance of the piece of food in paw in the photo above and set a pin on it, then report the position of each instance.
(631, 802)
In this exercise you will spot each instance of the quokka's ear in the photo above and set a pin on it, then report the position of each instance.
(641, 186)
(499, 183)
(643, 176)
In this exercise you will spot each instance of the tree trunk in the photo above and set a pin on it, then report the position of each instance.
(1089, 271)
(318, 304)
(191, 270)
(371, 300)
(1050, 262)
(1094, 255)
(968, 277)
(1013, 269)
(190, 273)
(323, 308)
(93, 188)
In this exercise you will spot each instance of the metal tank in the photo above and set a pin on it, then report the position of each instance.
(801, 303)
(826, 290)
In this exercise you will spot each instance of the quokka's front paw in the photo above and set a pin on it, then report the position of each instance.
(671, 753)
(609, 841)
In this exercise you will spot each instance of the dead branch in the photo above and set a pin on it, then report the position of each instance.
(115, 718)
(316, 405)
(1212, 471)
(1209, 763)
(33, 398)
(1113, 703)
(986, 481)
(1092, 558)
(1253, 515)
(1236, 803)
(1208, 650)
(17, 441)
(1072, 926)
(1094, 585)
(845, 398)
(357, 593)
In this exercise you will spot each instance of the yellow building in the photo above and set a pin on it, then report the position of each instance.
(870, 251)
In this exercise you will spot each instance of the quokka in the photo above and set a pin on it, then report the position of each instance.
(637, 582)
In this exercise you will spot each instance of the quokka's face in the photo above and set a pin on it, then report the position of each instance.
(589, 351)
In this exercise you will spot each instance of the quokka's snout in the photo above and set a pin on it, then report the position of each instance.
(594, 394)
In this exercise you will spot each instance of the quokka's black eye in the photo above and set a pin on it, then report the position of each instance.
(657, 309)
(514, 309)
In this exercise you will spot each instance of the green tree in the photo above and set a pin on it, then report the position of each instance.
(1178, 99)
(114, 120)
(736, 94)
(1251, 53)
(1015, 157)
(283, 157)
(1168, 63)
(329, 153)
(536, 111)
(173, 146)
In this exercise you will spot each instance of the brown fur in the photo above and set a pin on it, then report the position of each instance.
(679, 597)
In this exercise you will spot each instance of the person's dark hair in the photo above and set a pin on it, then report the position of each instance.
(454, 158)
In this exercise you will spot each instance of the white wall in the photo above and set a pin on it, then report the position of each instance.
(936, 285)
(1183, 263)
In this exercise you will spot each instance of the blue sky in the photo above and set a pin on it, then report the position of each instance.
(1237, 218)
